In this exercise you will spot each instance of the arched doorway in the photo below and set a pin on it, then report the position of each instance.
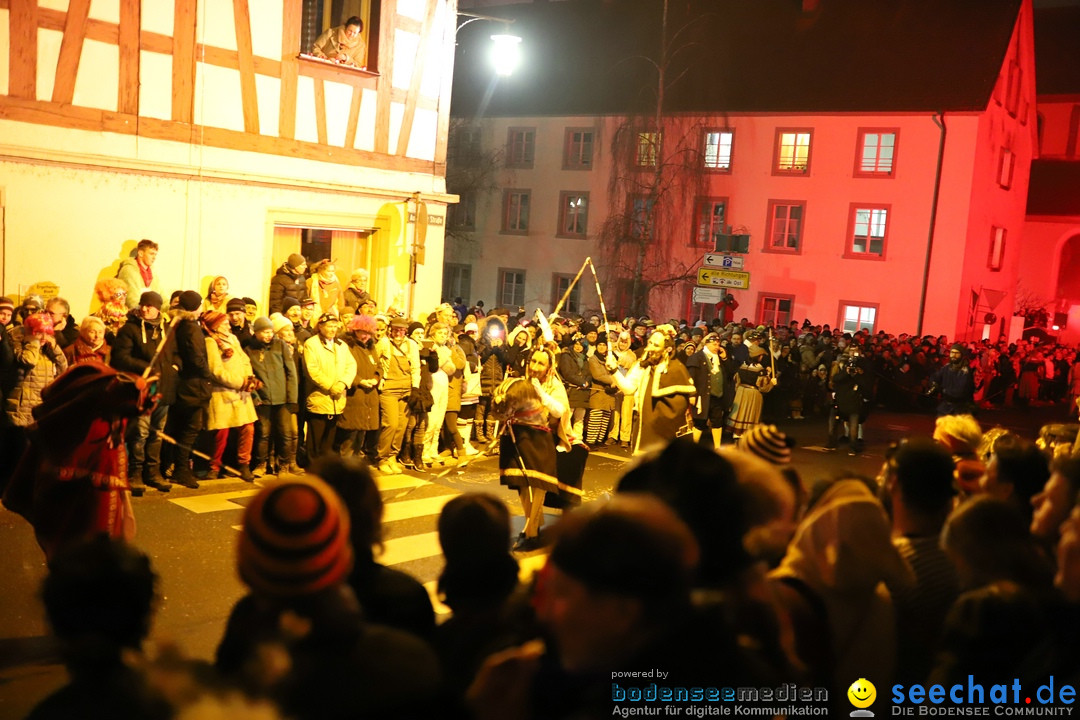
(1066, 318)
(1068, 279)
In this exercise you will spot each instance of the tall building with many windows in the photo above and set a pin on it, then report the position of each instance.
(859, 164)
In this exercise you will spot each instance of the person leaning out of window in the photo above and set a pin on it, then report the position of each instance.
(343, 44)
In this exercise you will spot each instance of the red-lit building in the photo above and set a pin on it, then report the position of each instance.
(876, 155)
(1050, 255)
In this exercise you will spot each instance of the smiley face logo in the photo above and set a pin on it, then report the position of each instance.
(862, 693)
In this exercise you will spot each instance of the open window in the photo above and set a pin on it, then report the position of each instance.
(319, 15)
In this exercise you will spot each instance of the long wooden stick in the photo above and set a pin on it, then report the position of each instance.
(603, 310)
(161, 346)
(196, 453)
(570, 288)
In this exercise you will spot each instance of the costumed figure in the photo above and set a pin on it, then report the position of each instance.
(113, 311)
(71, 482)
(662, 391)
(851, 406)
(753, 380)
(956, 383)
(536, 414)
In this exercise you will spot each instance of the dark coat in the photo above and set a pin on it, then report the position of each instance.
(362, 403)
(134, 348)
(699, 368)
(492, 368)
(286, 283)
(575, 375)
(273, 364)
(194, 383)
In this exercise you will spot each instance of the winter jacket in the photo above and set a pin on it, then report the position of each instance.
(455, 378)
(273, 364)
(130, 275)
(36, 366)
(575, 375)
(492, 369)
(193, 384)
(80, 352)
(603, 391)
(286, 283)
(229, 405)
(134, 348)
(362, 403)
(328, 365)
(355, 298)
(399, 367)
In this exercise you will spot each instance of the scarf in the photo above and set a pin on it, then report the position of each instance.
(146, 273)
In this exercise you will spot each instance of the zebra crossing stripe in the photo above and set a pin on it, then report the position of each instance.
(409, 509)
(216, 502)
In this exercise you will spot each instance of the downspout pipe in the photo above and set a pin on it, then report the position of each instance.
(939, 120)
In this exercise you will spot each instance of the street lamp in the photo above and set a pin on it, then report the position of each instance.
(506, 48)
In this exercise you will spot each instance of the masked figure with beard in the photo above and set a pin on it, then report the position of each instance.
(662, 391)
(537, 416)
(956, 383)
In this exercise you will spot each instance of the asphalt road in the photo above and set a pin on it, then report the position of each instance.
(190, 536)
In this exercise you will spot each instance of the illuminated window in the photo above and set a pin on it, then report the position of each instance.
(877, 153)
(317, 15)
(577, 154)
(711, 214)
(647, 149)
(785, 226)
(511, 288)
(775, 310)
(869, 230)
(520, 147)
(997, 248)
(857, 316)
(792, 152)
(573, 214)
(516, 211)
(718, 149)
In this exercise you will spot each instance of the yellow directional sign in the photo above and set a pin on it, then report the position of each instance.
(709, 277)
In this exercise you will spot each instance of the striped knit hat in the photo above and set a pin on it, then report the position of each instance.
(295, 539)
(768, 443)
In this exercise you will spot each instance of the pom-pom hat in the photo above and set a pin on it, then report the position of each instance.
(295, 539)
(768, 443)
(280, 322)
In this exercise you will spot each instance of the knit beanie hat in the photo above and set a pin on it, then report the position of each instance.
(287, 303)
(279, 322)
(263, 323)
(190, 300)
(234, 305)
(6, 302)
(296, 260)
(413, 327)
(151, 299)
(768, 443)
(212, 320)
(295, 539)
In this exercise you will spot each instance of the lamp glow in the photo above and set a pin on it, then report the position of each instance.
(505, 53)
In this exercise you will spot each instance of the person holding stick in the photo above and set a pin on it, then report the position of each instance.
(141, 347)
(536, 413)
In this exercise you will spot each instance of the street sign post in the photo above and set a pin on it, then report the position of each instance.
(708, 295)
(712, 277)
(723, 261)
